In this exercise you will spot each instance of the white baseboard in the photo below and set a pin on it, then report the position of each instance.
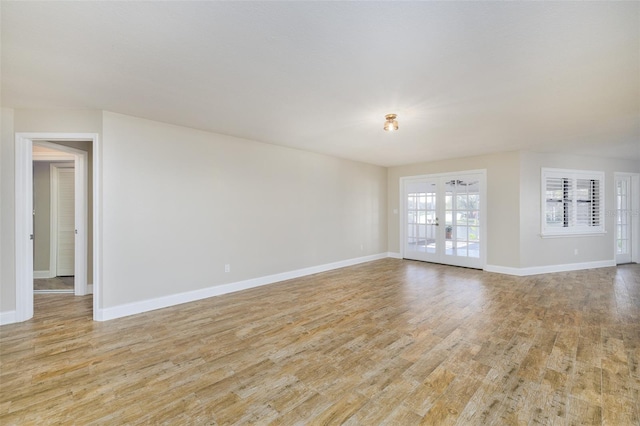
(191, 296)
(394, 255)
(8, 317)
(89, 291)
(41, 274)
(547, 269)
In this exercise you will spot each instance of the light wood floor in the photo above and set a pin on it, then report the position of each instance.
(387, 342)
(55, 283)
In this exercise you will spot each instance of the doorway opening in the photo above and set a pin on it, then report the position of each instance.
(54, 221)
(81, 219)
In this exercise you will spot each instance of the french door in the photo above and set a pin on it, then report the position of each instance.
(626, 223)
(443, 219)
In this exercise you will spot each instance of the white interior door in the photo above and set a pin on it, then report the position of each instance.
(65, 247)
(443, 218)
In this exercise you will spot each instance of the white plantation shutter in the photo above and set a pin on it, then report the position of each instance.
(572, 202)
(588, 202)
(556, 206)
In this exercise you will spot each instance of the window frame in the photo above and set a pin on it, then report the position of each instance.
(569, 180)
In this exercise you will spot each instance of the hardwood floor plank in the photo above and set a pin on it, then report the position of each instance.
(342, 409)
(583, 413)
(448, 407)
(424, 395)
(402, 416)
(307, 412)
(587, 383)
(377, 408)
(619, 411)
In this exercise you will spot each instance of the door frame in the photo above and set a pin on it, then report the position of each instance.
(24, 215)
(634, 213)
(483, 207)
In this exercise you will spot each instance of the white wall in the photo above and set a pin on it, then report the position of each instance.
(42, 217)
(503, 221)
(179, 204)
(536, 251)
(7, 215)
(60, 121)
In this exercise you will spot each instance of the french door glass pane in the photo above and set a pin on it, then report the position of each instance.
(421, 202)
(422, 217)
(462, 215)
(474, 234)
(622, 225)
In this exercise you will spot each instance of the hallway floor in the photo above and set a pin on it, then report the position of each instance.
(56, 283)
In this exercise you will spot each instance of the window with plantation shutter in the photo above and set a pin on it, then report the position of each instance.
(572, 202)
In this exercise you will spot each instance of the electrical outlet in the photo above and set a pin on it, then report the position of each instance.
(575, 252)
(227, 267)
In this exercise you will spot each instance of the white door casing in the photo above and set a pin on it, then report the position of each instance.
(24, 223)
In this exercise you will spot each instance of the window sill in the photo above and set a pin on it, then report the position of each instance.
(572, 234)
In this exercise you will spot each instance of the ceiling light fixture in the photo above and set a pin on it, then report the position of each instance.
(391, 124)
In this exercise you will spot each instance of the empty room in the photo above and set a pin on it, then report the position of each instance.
(320, 213)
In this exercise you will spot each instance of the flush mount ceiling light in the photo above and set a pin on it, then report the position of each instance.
(391, 124)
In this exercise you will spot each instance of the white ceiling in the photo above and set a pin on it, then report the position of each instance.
(465, 78)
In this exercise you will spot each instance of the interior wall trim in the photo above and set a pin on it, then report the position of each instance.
(8, 317)
(41, 274)
(547, 269)
(127, 309)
